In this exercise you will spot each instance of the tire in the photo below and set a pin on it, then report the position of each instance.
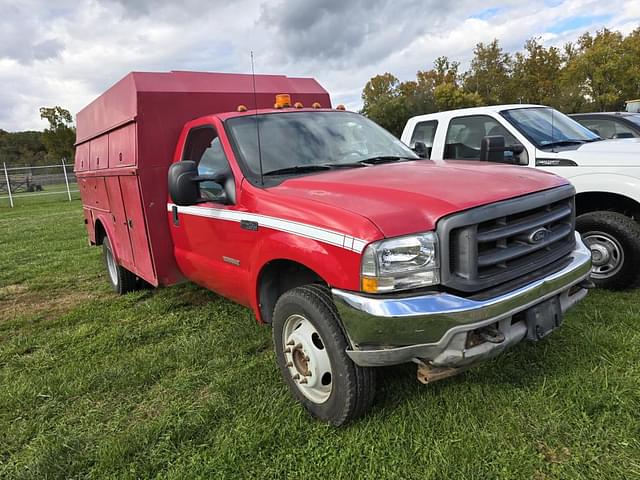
(614, 241)
(122, 280)
(311, 354)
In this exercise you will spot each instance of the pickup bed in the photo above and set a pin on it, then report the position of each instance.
(605, 173)
(357, 252)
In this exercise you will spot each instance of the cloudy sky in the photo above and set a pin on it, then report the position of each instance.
(65, 52)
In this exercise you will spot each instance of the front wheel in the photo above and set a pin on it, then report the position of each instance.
(614, 241)
(311, 353)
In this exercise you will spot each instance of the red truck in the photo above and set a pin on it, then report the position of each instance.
(357, 252)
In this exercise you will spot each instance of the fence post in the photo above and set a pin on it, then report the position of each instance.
(6, 177)
(66, 179)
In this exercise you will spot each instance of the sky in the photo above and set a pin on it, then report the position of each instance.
(64, 52)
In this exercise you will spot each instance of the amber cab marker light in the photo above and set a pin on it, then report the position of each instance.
(298, 105)
(340, 107)
(283, 100)
(242, 108)
(315, 105)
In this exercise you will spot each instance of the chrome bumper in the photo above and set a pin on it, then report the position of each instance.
(433, 327)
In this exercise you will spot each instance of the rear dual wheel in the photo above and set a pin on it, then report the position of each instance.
(311, 354)
(122, 280)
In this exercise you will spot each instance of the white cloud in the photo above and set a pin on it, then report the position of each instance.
(68, 52)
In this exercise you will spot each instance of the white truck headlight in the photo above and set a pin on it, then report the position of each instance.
(400, 263)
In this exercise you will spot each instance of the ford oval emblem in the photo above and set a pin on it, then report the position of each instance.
(538, 235)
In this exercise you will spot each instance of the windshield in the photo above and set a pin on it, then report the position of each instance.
(546, 127)
(302, 141)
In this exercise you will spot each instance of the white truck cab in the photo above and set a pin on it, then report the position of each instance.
(605, 173)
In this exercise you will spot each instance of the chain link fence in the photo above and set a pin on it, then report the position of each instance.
(37, 184)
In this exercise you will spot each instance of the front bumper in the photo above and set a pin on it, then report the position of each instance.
(434, 327)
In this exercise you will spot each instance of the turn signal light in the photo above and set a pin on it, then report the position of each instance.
(283, 100)
(369, 285)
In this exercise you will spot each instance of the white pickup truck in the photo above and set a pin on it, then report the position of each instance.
(606, 173)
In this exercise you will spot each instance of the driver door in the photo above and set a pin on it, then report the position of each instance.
(211, 248)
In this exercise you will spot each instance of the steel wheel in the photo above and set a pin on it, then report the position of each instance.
(607, 254)
(307, 359)
(112, 266)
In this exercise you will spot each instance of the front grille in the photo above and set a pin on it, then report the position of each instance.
(500, 242)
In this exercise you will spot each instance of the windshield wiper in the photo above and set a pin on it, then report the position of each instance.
(298, 169)
(561, 143)
(384, 159)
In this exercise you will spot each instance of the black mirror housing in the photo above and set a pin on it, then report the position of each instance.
(492, 149)
(421, 149)
(184, 188)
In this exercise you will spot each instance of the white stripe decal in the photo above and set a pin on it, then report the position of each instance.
(288, 226)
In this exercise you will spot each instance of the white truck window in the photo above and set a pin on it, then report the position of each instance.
(465, 135)
(424, 132)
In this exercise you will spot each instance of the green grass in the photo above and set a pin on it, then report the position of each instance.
(180, 383)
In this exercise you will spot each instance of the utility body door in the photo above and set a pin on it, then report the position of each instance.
(212, 245)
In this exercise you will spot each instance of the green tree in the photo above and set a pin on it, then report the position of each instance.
(536, 74)
(22, 149)
(59, 137)
(490, 73)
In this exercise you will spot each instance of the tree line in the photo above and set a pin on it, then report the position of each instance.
(595, 73)
(31, 148)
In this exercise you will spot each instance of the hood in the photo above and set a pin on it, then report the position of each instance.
(610, 153)
(409, 197)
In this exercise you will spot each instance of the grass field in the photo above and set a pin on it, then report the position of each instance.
(180, 383)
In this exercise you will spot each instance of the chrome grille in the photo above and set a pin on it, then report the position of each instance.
(500, 242)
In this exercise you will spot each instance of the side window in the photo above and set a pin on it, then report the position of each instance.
(603, 127)
(622, 131)
(424, 132)
(465, 135)
(203, 147)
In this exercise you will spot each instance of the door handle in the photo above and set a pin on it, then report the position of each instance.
(176, 220)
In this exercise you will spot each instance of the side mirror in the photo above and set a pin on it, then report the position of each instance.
(183, 189)
(421, 149)
(184, 182)
(492, 149)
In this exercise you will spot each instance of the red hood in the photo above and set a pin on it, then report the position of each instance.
(409, 197)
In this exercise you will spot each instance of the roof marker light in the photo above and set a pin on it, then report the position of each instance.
(298, 105)
(316, 105)
(242, 108)
(340, 107)
(283, 100)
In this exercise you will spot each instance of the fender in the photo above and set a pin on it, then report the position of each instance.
(107, 223)
(624, 185)
(337, 266)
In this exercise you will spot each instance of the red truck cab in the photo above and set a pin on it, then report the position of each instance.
(356, 251)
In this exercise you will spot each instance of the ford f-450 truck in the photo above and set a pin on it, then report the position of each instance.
(605, 173)
(357, 252)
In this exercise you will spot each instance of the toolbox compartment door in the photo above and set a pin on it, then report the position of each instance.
(140, 247)
(122, 146)
(121, 240)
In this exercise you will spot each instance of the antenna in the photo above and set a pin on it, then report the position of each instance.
(552, 132)
(255, 104)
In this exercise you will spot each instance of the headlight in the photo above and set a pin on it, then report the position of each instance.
(400, 263)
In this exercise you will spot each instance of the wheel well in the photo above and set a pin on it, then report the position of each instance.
(100, 232)
(277, 277)
(593, 201)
